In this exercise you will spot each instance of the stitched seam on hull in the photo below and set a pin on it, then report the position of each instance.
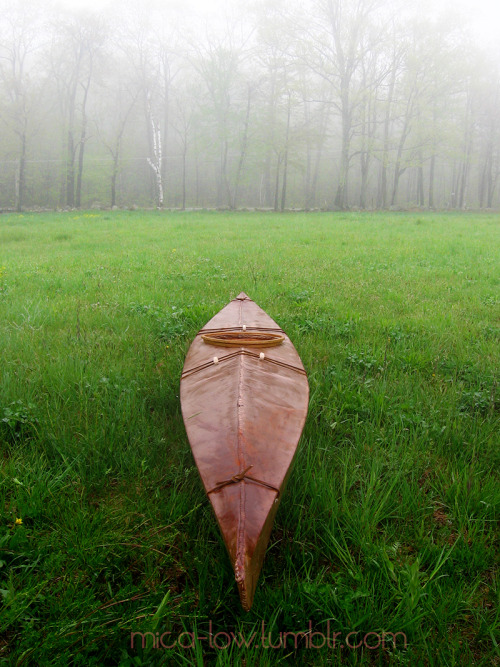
(239, 565)
(243, 596)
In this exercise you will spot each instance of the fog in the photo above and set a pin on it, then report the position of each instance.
(329, 104)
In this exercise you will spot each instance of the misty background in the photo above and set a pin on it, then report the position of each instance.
(328, 104)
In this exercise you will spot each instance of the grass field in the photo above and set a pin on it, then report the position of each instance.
(388, 524)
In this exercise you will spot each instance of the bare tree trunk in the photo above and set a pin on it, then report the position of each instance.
(420, 184)
(114, 175)
(79, 175)
(398, 170)
(71, 107)
(486, 183)
(364, 183)
(21, 175)
(116, 149)
(308, 169)
(243, 151)
(70, 170)
(432, 167)
(482, 182)
(454, 184)
(319, 152)
(314, 184)
(432, 170)
(268, 195)
(184, 156)
(156, 163)
(468, 140)
(368, 128)
(492, 182)
(271, 122)
(285, 158)
(464, 173)
(462, 202)
(341, 195)
(197, 200)
(314, 149)
(83, 139)
(382, 193)
(224, 178)
(166, 121)
(277, 184)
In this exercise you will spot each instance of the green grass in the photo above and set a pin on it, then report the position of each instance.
(389, 520)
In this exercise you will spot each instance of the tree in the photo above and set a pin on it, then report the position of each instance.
(395, 59)
(156, 162)
(219, 65)
(77, 46)
(19, 46)
(321, 102)
(120, 93)
(487, 96)
(340, 39)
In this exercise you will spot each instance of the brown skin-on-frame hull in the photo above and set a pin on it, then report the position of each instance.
(244, 409)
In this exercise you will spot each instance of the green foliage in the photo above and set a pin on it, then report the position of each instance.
(18, 421)
(389, 521)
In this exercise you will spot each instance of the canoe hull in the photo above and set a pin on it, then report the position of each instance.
(244, 416)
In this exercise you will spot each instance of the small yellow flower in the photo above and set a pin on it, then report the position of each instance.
(19, 522)
(434, 375)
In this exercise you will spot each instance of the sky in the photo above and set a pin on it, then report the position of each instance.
(482, 15)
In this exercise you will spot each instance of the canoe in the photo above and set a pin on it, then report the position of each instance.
(244, 398)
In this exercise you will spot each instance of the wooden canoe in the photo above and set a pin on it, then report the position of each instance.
(244, 408)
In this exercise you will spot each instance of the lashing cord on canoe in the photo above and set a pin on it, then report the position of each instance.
(226, 338)
(245, 353)
(239, 477)
(242, 327)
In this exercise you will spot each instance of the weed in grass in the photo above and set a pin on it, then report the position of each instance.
(477, 401)
(18, 422)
